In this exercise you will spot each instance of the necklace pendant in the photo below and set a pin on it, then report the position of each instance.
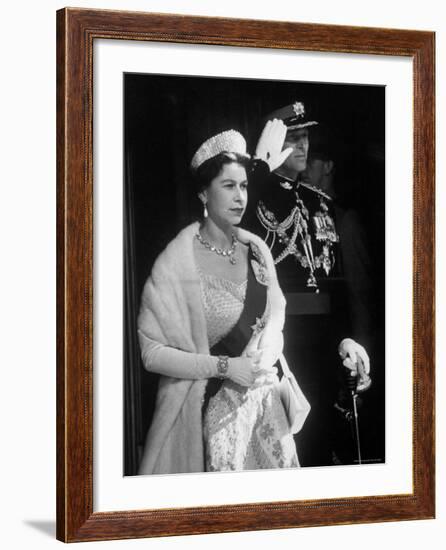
(232, 260)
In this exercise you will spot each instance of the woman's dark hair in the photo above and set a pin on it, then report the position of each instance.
(207, 171)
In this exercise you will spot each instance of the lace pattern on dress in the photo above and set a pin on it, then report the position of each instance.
(223, 302)
(243, 428)
(247, 429)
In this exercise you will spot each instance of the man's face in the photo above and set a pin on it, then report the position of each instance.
(298, 140)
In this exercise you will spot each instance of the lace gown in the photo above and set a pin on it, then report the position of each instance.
(244, 428)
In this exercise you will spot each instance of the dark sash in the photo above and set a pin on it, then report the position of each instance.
(235, 342)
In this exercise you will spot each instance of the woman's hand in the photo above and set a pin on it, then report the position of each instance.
(245, 370)
(242, 370)
(269, 146)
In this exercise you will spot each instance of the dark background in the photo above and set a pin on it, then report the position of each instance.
(166, 118)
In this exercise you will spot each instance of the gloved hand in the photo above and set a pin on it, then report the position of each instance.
(242, 370)
(355, 358)
(246, 369)
(270, 144)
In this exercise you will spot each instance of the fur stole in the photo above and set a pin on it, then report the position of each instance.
(172, 313)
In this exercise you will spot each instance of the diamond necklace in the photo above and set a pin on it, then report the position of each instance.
(220, 251)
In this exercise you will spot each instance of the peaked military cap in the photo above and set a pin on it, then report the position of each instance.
(294, 116)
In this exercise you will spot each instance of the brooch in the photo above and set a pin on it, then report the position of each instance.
(258, 326)
(260, 273)
(258, 255)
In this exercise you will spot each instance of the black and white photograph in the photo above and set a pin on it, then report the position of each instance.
(254, 274)
(222, 280)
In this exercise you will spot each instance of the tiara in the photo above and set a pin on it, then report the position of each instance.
(226, 142)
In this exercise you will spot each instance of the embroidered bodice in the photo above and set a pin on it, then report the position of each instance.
(223, 302)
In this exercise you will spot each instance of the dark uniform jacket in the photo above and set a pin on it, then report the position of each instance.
(323, 269)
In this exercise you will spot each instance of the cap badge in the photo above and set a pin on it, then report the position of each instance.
(299, 109)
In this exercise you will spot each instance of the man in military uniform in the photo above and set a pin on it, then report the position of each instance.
(297, 219)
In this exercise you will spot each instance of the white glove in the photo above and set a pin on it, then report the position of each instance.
(245, 370)
(269, 146)
(354, 355)
(355, 358)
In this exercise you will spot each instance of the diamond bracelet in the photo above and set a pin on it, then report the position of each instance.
(222, 366)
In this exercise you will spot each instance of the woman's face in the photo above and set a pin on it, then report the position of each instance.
(227, 195)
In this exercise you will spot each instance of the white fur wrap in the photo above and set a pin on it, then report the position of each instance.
(172, 313)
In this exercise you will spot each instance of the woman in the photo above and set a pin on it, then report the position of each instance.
(211, 323)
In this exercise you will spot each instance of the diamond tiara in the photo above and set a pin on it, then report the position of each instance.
(229, 141)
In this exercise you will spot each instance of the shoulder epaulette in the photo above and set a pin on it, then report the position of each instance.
(315, 190)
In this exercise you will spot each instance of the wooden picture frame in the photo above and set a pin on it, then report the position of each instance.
(77, 29)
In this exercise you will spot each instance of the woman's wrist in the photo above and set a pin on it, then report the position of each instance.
(222, 366)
